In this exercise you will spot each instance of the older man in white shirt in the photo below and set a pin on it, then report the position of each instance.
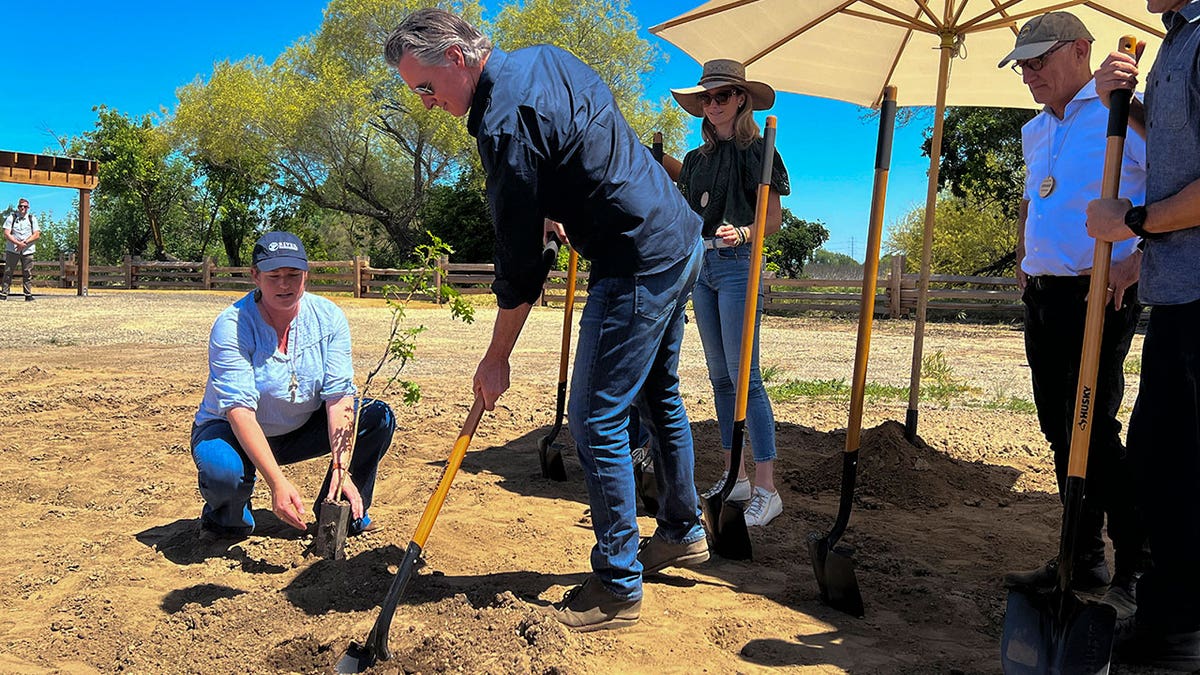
(1064, 149)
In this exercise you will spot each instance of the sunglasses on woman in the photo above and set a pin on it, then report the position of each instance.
(721, 97)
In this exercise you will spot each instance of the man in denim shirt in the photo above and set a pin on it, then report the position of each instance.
(555, 146)
(1164, 431)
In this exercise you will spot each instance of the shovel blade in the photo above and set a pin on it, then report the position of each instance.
(551, 460)
(731, 537)
(357, 659)
(1056, 633)
(834, 568)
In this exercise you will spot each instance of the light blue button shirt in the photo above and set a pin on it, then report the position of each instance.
(1072, 150)
(246, 368)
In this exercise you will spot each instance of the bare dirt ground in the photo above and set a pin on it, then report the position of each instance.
(103, 571)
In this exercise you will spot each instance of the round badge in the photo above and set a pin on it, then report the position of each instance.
(704, 200)
(1046, 187)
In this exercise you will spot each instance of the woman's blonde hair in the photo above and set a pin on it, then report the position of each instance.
(745, 129)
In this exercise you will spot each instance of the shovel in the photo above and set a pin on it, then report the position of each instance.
(359, 657)
(727, 520)
(833, 564)
(550, 455)
(1056, 631)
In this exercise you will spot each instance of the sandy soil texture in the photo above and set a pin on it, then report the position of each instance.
(104, 571)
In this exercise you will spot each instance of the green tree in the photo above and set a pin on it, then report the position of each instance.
(824, 257)
(970, 236)
(143, 185)
(604, 35)
(459, 215)
(981, 155)
(794, 244)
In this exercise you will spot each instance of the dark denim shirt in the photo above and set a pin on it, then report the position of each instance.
(723, 186)
(1168, 274)
(554, 145)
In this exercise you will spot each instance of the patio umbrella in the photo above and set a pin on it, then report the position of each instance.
(850, 50)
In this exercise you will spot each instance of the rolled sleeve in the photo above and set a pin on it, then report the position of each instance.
(338, 380)
(513, 195)
(230, 369)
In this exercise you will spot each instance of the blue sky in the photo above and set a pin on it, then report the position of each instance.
(133, 54)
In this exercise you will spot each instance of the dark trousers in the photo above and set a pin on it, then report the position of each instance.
(1164, 441)
(1055, 314)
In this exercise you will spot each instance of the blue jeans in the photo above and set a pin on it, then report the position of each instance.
(719, 300)
(227, 475)
(629, 341)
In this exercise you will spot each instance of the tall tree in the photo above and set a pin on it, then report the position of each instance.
(143, 184)
(981, 155)
(970, 236)
(794, 244)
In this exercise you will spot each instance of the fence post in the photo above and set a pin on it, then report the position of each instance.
(127, 263)
(443, 262)
(897, 274)
(358, 276)
(206, 272)
(62, 270)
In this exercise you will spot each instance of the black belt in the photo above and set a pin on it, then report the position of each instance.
(1047, 282)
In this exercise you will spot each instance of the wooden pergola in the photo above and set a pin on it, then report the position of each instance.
(65, 172)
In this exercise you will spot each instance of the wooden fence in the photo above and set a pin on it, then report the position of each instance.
(896, 293)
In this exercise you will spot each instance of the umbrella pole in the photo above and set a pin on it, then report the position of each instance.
(935, 154)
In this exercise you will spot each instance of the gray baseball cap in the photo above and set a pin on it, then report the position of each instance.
(1041, 33)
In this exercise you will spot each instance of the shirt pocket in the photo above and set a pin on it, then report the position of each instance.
(1171, 100)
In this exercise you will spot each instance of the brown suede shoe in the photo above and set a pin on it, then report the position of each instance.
(656, 553)
(590, 606)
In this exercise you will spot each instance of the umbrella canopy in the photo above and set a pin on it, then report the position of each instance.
(849, 50)
(935, 52)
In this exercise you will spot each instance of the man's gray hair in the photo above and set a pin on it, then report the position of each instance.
(426, 34)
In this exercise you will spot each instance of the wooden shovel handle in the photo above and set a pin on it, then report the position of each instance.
(452, 465)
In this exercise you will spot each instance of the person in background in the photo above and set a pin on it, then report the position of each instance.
(1064, 148)
(1164, 429)
(20, 231)
(281, 390)
(554, 145)
(720, 181)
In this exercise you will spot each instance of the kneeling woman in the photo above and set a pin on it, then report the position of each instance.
(720, 181)
(281, 390)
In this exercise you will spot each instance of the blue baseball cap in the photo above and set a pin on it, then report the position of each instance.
(279, 249)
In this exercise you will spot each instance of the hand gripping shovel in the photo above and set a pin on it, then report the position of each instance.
(359, 657)
(550, 455)
(727, 520)
(1056, 631)
(834, 565)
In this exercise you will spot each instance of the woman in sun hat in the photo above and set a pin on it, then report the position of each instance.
(720, 181)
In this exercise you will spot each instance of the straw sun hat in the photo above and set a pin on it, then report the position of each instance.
(720, 73)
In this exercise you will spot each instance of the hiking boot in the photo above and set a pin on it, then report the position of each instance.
(590, 606)
(1086, 578)
(1122, 596)
(1160, 649)
(741, 490)
(763, 508)
(656, 553)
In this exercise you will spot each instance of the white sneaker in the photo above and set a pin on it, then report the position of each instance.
(763, 508)
(741, 489)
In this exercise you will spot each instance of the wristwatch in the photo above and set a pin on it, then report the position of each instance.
(1135, 220)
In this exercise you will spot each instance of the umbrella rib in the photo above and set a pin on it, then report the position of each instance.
(1158, 32)
(906, 23)
(679, 21)
(924, 7)
(895, 64)
(800, 31)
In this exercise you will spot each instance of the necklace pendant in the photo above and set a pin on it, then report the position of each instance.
(292, 387)
(704, 200)
(1047, 187)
